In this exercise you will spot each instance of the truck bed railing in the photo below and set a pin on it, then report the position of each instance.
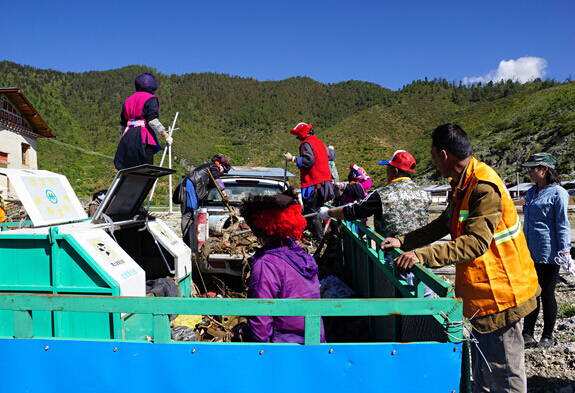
(383, 294)
(373, 275)
(22, 306)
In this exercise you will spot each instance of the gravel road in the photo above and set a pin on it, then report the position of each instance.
(553, 370)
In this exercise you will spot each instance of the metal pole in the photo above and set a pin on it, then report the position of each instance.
(170, 180)
(170, 131)
(517, 175)
(285, 176)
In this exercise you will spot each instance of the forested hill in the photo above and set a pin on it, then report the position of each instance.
(249, 120)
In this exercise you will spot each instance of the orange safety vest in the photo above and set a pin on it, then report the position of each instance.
(2, 210)
(505, 275)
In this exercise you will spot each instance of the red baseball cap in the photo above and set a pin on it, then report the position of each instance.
(302, 130)
(401, 159)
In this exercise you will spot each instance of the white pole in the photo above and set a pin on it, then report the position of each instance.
(517, 177)
(170, 179)
(170, 132)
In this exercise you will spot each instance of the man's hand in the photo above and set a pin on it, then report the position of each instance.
(323, 213)
(289, 157)
(169, 140)
(405, 262)
(389, 243)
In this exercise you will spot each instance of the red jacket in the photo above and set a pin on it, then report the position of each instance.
(319, 172)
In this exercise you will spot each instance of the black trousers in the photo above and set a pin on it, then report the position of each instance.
(547, 273)
(312, 205)
(149, 158)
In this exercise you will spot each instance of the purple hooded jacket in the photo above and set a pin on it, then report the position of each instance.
(281, 270)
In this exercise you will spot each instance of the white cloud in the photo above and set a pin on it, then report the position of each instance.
(522, 70)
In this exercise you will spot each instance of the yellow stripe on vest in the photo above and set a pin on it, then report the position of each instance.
(463, 215)
(507, 234)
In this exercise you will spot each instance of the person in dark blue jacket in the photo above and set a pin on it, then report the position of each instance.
(195, 186)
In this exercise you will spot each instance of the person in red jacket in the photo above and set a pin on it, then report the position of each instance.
(315, 175)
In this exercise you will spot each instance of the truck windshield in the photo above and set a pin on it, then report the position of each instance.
(236, 191)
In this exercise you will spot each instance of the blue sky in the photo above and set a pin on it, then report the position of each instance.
(390, 43)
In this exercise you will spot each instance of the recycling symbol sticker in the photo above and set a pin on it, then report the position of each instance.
(164, 233)
(51, 196)
(103, 249)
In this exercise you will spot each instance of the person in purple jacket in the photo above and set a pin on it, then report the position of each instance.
(139, 125)
(280, 269)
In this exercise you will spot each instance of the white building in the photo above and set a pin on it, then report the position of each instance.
(20, 127)
(519, 191)
(438, 193)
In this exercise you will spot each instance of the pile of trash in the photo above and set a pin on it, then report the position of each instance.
(205, 328)
(236, 239)
(210, 328)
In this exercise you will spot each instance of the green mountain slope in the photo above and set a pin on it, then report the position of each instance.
(249, 120)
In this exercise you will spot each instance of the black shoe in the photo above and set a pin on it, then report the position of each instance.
(529, 341)
(545, 343)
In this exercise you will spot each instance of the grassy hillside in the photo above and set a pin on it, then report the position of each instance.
(249, 121)
(504, 130)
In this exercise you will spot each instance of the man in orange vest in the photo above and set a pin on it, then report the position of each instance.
(2, 210)
(315, 176)
(495, 275)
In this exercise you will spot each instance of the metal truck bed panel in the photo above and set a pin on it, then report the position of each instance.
(91, 366)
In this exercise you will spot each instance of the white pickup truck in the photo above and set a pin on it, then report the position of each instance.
(221, 242)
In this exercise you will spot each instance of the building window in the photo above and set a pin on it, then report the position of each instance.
(3, 160)
(11, 118)
(25, 154)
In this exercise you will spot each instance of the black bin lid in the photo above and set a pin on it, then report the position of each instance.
(128, 191)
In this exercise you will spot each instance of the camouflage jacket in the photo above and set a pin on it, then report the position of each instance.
(397, 208)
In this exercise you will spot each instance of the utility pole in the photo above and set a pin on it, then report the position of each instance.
(517, 175)
(170, 179)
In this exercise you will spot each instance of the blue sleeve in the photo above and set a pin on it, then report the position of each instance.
(191, 197)
(526, 211)
(562, 225)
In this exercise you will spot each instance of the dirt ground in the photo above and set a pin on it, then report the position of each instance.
(553, 370)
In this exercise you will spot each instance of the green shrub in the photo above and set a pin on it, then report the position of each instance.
(566, 310)
(504, 144)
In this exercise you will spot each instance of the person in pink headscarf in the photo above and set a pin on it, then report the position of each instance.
(139, 125)
(359, 183)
